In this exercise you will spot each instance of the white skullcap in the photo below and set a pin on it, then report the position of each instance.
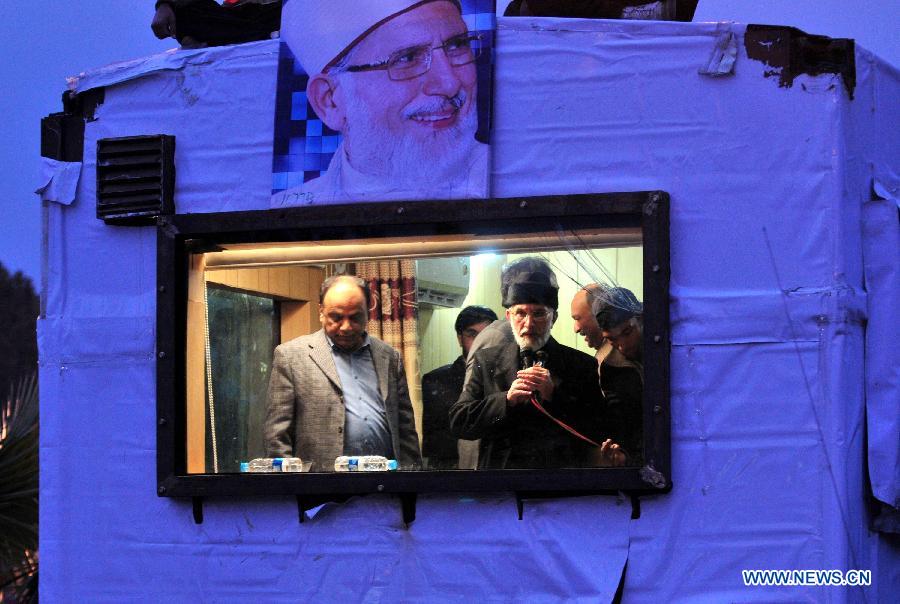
(320, 31)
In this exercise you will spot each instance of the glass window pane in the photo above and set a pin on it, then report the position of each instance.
(242, 336)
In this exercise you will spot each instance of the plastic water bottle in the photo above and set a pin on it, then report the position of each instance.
(274, 464)
(377, 463)
(292, 464)
(364, 463)
(262, 464)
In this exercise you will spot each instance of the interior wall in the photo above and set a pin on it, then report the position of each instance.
(437, 338)
(297, 288)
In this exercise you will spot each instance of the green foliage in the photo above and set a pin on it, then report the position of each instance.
(19, 493)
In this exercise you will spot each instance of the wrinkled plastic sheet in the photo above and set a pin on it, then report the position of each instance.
(768, 361)
(882, 232)
(874, 168)
(222, 124)
(106, 536)
(171, 60)
(58, 180)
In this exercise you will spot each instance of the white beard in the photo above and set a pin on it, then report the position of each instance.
(406, 162)
(532, 342)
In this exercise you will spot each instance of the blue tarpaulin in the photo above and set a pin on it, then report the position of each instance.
(784, 289)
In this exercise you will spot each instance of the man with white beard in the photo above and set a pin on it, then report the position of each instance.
(527, 399)
(397, 79)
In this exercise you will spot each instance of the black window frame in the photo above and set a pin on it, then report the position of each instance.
(179, 236)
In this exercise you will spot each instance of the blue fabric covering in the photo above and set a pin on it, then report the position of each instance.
(876, 176)
(780, 358)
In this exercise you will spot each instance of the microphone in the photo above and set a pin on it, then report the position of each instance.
(530, 358)
(527, 357)
(540, 360)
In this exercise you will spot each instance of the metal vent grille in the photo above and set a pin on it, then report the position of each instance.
(135, 179)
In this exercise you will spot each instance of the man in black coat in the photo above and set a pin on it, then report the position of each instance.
(442, 386)
(524, 399)
(620, 320)
(200, 23)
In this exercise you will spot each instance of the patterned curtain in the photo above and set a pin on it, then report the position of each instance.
(393, 317)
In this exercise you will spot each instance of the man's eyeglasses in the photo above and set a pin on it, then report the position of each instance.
(412, 62)
(536, 315)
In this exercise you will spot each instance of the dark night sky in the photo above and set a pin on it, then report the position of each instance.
(42, 43)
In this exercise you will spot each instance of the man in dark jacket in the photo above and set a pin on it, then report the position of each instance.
(619, 318)
(441, 388)
(199, 23)
(524, 398)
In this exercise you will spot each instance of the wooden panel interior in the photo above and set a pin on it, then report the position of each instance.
(297, 319)
(196, 363)
(296, 287)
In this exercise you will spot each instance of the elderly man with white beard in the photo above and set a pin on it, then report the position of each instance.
(397, 79)
(533, 402)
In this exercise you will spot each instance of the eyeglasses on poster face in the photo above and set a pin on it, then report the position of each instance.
(408, 63)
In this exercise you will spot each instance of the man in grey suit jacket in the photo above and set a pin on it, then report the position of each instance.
(340, 391)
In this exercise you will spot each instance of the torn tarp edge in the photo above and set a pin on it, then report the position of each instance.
(886, 193)
(170, 60)
(58, 181)
(631, 28)
(722, 58)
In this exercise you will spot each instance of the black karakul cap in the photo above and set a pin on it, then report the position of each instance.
(531, 288)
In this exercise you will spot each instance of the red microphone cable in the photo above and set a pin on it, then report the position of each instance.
(541, 360)
(561, 424)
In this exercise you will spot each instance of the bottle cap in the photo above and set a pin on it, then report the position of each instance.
(392, 464)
